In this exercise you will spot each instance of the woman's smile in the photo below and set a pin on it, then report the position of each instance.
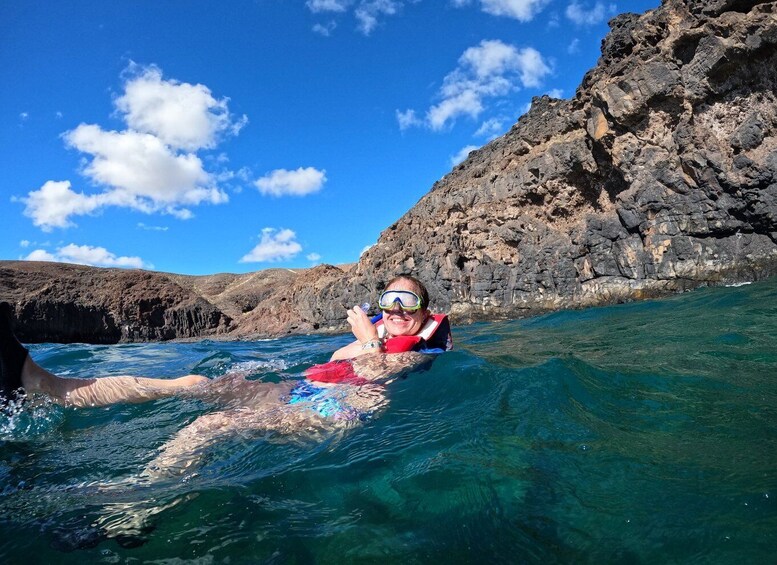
(398, 322)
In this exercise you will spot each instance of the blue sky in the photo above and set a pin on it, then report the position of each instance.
(200, 137)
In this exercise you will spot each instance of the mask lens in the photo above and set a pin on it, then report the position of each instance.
(408, 301)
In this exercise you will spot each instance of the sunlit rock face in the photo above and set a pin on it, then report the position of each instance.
(659, 175)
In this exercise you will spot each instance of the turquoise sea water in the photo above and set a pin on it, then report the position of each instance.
(640, 433)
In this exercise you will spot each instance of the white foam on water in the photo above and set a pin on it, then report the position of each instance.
(259, 366)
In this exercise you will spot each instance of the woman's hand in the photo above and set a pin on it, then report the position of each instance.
(364, 332)
(361, 326)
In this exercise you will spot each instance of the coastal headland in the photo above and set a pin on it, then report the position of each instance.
(658, 176)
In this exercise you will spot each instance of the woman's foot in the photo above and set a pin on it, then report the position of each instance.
(12, 357)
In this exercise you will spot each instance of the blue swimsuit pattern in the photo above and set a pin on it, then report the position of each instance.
(322, 401)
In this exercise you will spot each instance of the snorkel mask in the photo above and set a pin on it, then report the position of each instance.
(406, 300)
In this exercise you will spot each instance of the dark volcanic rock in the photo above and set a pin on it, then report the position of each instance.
(73, 303)
(659, 175)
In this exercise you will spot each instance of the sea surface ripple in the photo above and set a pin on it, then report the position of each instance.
(638, 433)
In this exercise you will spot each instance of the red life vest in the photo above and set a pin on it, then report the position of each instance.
(341, 371)
(402, 343)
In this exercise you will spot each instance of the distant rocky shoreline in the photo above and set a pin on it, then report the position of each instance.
(659, 175)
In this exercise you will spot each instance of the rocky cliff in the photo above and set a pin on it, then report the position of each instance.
(659, 175)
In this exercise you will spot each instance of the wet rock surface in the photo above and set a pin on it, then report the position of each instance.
(659, 175)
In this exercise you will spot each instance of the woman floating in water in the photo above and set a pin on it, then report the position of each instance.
(347, 389)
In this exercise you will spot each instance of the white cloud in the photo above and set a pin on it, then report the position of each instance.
(313, 257)
(24, 116)
(461, 155)
(52, 205)
(275, 245)
(325, 29)
(574, 47)
(317, 6)
(181, 115)
(490, 69)
(521, 10)
(407, 119)
(490, 128)
(556, 93)
(368, 11)
(300, 182)
(88, 255)
(142, 226)
(24, 243)
(595, 15)
(151, 166)
(139, 166)
(468, 103)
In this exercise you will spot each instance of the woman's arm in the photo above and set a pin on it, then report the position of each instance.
(364, 331)
(348, 351)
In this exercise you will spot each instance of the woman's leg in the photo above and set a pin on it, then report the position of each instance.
(101, 391)
(186, 448)
(253, 407)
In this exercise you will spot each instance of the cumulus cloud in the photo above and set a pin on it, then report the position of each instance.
(300, 182)
(490, 69)
(521, 10)
(141, 170)
(461, 155)
(468, 102)
(152, 165)
(586, 17)
(88, 255)
(52, 205)
(313, 257)
(275, 245)
(181, 115)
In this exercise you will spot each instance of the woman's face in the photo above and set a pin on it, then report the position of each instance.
(398, 322)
